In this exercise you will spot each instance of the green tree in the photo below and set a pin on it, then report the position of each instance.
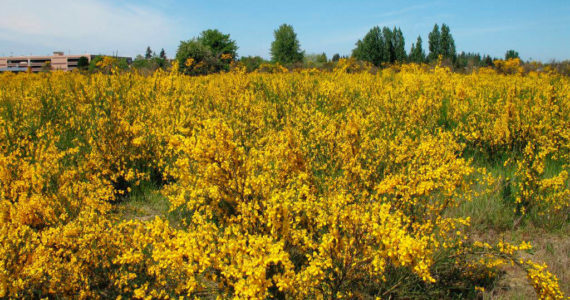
(162, 54)
(488, 61)
(446, 43)
(317, 60)
(218, 43)
(93, 63)
(212, 51)
(285, 48)
(221, 47)
(381, 46)
(103, 63)
(140, 62)
(371, 47)
(389, 53)
(322, 58)
(148, 54)
(399, 46)
(468, 61)
(434, 43)
(83, 63)
(417, 53)
(511, 54)
(335, 57)
(251, 63)
(144, 65)
(195, 58)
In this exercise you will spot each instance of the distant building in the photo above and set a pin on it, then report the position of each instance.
(58, 61)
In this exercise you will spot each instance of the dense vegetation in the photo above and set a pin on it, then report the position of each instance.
(308, 184)
(213, 51)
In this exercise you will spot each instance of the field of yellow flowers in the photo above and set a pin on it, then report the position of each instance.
(288, 185)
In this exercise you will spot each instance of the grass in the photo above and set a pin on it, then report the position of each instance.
(492, 219)
(145, 202)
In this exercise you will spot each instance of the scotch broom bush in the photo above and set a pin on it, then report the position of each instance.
(290, 185)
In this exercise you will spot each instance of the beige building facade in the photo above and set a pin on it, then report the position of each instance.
(57, 61)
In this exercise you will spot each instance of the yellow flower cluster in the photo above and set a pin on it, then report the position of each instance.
(291, 184)
(546, 195)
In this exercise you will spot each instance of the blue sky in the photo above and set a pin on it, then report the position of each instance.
(536, 29)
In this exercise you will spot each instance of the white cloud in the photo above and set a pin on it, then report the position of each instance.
(84, 25)
(409, 9)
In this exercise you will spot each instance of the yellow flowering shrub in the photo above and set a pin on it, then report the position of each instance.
(301, 184)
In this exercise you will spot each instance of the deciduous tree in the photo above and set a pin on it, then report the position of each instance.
(285, 48)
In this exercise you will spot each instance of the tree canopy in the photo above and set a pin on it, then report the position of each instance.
(218, 43)
(212, 51)
(441, 43)
(381, 46)
(148, 53)
(511, 54)
(285, 48)
(417, 53)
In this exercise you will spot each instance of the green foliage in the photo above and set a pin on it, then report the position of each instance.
(83, 63)
(468, 61)
(117, 63)
(251, 63)
(417, 54)
(93, 64)
(447, 43)
(148, 54)
(399, 45)
(511, 54)
(195, 58)
(488, 60)
(149, 65)
(381, 46)
(434, 39)
(212, 51)
(285, 49)
(336, 57)
(441, 43)
(388, 50)
(371, 48)
(219, 44)
(315, 59)
(162, 54)
(322, 58)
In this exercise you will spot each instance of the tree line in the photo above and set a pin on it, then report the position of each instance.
(213, 51)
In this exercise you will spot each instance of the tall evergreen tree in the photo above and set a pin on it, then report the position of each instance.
(511, 54)
(389, 53)
(371, 48)
(446, 43)
(434, 42)
(381, 46)
(148, 54)
(488, 61)
(417, 53)
(162, 54)
(399, 45)
(335, 57)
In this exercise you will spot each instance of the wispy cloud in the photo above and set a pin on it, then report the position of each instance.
(83, 24)
(411, 8)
